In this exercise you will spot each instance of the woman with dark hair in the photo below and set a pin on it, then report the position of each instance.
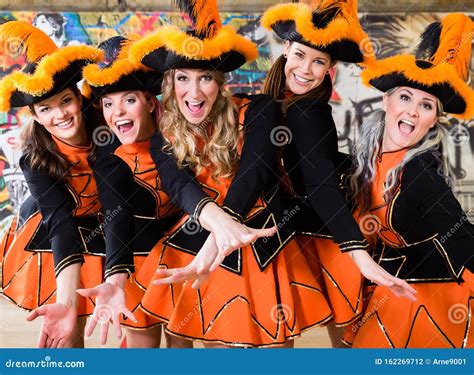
(403, 186)
(315, 39)
(52, 248)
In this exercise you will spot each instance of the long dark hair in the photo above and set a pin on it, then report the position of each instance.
(275, 82)
(40, 148)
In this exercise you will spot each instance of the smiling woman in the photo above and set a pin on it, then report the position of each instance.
(410, 113)
(128, 114)
(61, 115)
(402, 181)
(45, 256)
(195, 92)
(316, 37)
(305, 67)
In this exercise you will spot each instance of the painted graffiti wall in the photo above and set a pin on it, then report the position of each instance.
(351, 101)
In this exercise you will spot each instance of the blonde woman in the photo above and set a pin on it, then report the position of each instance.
(403, 186)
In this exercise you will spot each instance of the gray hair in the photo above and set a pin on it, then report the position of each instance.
(368, 147)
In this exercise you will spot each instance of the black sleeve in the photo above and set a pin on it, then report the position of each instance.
(441, 211)
(313, 130)
(57, 209)
(115, 185)
(179, 183)
(257, 165)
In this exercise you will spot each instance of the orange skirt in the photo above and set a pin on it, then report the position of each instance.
(133, 295)
(28, 278)
(440, 318)
(338, 275)
(256, 308)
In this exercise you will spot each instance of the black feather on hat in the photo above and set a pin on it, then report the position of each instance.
(208, 45)
(118, 73)
(440, 67)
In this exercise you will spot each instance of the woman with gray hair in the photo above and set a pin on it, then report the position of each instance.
(402, 184)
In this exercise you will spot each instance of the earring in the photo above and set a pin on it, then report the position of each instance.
(285, 55)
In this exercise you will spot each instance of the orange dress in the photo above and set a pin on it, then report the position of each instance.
(153, 214)
(410, 227)
(255, 299)
(325, 227)
(29, 265)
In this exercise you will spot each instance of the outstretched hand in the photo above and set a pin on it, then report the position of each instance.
(109, 304)
(375, 273)
(198, 269)
(59, 323)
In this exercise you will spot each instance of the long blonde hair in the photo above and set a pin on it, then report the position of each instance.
(182, 138)
(368, 147)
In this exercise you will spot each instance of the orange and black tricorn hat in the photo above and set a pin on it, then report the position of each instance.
(118, 73)
(206, 45)
(440, 66)
(330, 26)
(48, 70)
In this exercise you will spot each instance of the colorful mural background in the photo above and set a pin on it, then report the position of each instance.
(351, 101)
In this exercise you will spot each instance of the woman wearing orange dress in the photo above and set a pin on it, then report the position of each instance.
(263, 294)
(55, 245)
(315, 39)
(126, 93)
(403, 186)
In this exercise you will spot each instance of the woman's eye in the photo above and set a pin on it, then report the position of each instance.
(44, 109)
(66, 100)
(300, 55)
(181, 78)
(404, 97)
(319, 62)
(130, 100)
(107, 105)
(206, 78)
(427, 106)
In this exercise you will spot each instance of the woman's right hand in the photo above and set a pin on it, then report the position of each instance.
(59, 322)
(229, 234)
(373, 272)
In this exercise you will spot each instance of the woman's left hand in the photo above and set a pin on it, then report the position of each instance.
(375, 273)
(109, 304)
(199, 269)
